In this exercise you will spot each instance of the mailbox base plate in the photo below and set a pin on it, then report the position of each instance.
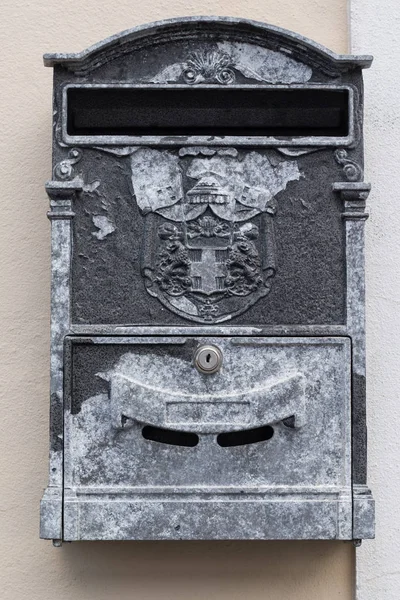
(246, 518)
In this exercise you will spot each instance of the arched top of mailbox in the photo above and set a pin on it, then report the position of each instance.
(292, 45)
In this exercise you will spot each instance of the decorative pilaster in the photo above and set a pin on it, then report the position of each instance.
(61, 195)
(354, 196)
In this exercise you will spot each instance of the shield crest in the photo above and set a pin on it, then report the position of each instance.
(208, 244)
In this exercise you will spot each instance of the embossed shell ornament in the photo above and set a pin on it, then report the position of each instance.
(208, 66)
(220, 63)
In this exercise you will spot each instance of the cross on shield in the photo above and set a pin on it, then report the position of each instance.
(208, 269)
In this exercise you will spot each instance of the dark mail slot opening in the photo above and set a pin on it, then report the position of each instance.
(245, 436)
(207, 111)
(170, 436)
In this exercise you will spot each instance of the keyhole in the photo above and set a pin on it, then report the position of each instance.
(208, 359)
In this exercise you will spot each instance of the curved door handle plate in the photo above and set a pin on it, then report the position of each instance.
(273, 401)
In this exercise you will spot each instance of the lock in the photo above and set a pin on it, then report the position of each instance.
(208, 359)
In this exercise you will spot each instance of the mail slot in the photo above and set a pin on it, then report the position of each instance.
(208, 111)
(207, 210)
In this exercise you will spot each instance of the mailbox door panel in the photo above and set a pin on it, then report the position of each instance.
(154, 447)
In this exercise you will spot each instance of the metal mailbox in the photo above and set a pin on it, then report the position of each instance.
(207, 208)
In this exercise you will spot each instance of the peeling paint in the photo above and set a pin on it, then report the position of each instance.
(105, 226)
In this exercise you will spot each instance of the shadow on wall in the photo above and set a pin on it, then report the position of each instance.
(194, 570)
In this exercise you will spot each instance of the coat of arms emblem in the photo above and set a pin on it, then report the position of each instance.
(208, 245)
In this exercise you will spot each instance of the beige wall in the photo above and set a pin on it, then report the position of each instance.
(31, 568)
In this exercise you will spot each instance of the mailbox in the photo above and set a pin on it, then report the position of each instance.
(207, 211)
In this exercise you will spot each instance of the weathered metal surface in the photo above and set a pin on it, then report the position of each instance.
(219, 66)
(195, 28)
(162, 244)
(263, 381)
(306, 216)
(213, 261)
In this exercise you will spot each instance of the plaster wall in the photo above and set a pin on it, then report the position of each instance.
(375, 28)
(31, 568)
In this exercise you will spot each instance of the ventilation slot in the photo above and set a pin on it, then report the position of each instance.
(168, 436)
(244, 437)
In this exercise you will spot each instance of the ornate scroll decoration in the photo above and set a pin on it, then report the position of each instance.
(208, 244)
(244, 264)
(65, 169)
(139, 394)
(223, 62)
(210, 67)
(207, 151)
(352, 170)
(208, 227)
(173, 265)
